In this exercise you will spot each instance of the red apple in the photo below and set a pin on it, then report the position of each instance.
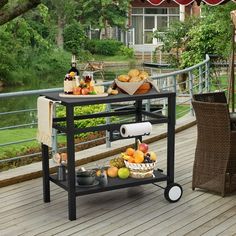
(76, 90)
(143, 147)
(85, 91)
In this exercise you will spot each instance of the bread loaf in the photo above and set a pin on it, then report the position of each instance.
(123, 78)
(133, 73)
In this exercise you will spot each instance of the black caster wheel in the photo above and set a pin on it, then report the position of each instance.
(173, 192)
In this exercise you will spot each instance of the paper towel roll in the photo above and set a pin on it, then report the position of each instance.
(136, 129)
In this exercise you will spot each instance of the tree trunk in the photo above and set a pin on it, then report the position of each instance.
(60, 27)
(8, 14)
(182, 81)
(105, 30)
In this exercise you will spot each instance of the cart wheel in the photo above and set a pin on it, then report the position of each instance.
(173, 192)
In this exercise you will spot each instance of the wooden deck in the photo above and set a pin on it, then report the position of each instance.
(133, 211)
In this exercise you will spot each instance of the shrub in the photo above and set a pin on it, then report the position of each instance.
(91, 109)
(106, 47)
(125, 51)
(74, 37)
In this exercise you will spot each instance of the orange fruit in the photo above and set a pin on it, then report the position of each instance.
(112, 172)
(130, 151)
(138, 156)
(131, 160)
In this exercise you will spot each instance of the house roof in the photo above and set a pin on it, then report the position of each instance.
(187, 2)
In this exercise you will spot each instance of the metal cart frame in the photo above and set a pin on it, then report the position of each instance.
(70, 130)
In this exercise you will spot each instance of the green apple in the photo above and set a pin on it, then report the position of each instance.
(123, 173)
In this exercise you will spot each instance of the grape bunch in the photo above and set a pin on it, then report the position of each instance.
(117, 162)
(147, 158)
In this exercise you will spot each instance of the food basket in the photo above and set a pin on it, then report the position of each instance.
(131, 88)
(141, 170)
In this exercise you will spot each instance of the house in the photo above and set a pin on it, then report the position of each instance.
(145, 18)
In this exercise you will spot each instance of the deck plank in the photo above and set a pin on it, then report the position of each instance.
(139, 210)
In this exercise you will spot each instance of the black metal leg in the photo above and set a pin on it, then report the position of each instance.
(45, 166)
(138, 118)
(171, 138)
(71, 162)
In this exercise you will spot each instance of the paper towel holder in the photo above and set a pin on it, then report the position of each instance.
(133, 136)
(134, 129)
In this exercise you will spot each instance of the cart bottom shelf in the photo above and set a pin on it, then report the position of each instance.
(113, 183)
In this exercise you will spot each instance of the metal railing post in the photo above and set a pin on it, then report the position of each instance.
(108, 121)
(190, 75)
(200, 80)
(175, 84)
(207, 76)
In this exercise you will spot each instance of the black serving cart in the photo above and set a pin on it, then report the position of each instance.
(173, 191)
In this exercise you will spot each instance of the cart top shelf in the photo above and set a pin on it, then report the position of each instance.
(109, 99)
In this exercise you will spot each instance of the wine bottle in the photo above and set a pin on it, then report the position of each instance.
(68, 84)
(74, 69)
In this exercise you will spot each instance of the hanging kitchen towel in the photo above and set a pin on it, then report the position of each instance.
(45, 116)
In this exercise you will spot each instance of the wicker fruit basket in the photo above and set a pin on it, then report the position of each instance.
(141, 170)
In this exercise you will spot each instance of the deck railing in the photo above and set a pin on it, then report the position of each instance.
(185, 83)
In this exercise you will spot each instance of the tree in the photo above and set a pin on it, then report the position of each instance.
(103, 13)
(9, 11)
(175, 39)
(63, 12)
(211, 36)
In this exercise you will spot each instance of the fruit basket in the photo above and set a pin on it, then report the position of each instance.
(140, 170)
(134, 87)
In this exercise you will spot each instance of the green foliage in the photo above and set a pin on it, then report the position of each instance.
(211, 36)
(74, 37)
(220, 17)
(100, 13)
(188, 42)
(175, 39)
(91, 109)
(51, 66)
(107, 47)
(7, 54)
(125, 51)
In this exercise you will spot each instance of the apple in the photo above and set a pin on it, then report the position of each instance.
(76, 90)
(143, 147)
(85, 91)
(123, 173)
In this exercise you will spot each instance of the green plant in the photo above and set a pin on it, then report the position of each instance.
(125, 51)
(107, 47)
(175, 40)
(91, 109)
(74, 37)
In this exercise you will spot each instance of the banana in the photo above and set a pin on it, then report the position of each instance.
(125, 156)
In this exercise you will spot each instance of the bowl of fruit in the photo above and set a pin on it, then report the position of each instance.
(141, 162)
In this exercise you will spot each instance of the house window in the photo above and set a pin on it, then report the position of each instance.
(137, 25)
(137, 10)
(145, 21)
(174, 10)
(155, 11)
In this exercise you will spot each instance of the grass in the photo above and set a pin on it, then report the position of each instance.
(181, 110)
(14, 135)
